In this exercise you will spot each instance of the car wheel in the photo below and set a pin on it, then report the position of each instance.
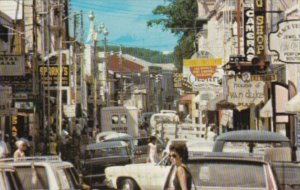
(128, 184)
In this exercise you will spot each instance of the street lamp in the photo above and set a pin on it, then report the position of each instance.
(102, 30)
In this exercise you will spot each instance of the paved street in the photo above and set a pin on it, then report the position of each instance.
(146, 95)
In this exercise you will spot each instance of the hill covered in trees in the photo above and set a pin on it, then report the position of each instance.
(142, 53)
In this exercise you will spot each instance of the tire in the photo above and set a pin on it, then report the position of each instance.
(128, 184)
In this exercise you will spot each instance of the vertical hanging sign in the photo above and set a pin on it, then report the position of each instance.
(249, 48)
(260, 29)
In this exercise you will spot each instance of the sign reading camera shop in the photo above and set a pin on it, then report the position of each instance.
(286, 41)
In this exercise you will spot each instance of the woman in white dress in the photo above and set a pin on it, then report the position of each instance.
(152, 150)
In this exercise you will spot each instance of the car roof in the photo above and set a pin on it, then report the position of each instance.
(107, 144)
(252, 135)
(5, 166)
(225, 156)
(34, 159)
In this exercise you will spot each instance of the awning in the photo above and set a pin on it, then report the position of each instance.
(267, 110)
(186, 99)
(293, 104)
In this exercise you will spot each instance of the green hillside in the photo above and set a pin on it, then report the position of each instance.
(145, 54)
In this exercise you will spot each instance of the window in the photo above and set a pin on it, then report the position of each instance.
(197, 106)
(123, 119)
(72, 177)
(196, 120)
(3, 33)
(115, 119)
(229, 174)
(12, 180)
(33, 178)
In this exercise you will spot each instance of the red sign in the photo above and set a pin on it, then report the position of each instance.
(203, 72)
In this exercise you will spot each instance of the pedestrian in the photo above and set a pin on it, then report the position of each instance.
(142, 131)
(181, 178)
(19, 154)
(152, 150)
(52, 144)
(3, 147)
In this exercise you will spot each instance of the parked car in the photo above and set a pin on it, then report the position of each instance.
(9, 179)
(47, 172)
(138, 146)
(287, 175)
(209, 171)
(98, 156)
(249, 141)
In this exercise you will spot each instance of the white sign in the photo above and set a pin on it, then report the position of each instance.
(245, 93)
(69, 110)
(12, 65)
(286, 41)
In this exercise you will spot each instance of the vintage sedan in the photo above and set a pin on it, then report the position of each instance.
(243, 172)
(98, 156)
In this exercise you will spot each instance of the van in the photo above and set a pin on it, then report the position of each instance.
(122, 119)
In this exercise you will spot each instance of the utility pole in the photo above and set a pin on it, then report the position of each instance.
(59, 95)
(121, 73)
(82, 71)
(238, 20)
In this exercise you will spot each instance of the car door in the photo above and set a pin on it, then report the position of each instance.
(159, 175)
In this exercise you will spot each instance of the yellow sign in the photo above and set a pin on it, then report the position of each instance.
(269, 77)
(202, 62)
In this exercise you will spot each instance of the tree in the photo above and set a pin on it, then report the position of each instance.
(179, 16)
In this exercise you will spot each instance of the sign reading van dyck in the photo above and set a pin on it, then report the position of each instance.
(286, 41)
(245, 93)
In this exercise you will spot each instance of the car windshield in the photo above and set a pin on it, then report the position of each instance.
(248, 147)
(33, 177)
(106, 152)
(288, 177)
(228, 174)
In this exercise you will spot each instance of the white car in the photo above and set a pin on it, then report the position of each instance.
(207, 170)
(138, 176)
(46, 172)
